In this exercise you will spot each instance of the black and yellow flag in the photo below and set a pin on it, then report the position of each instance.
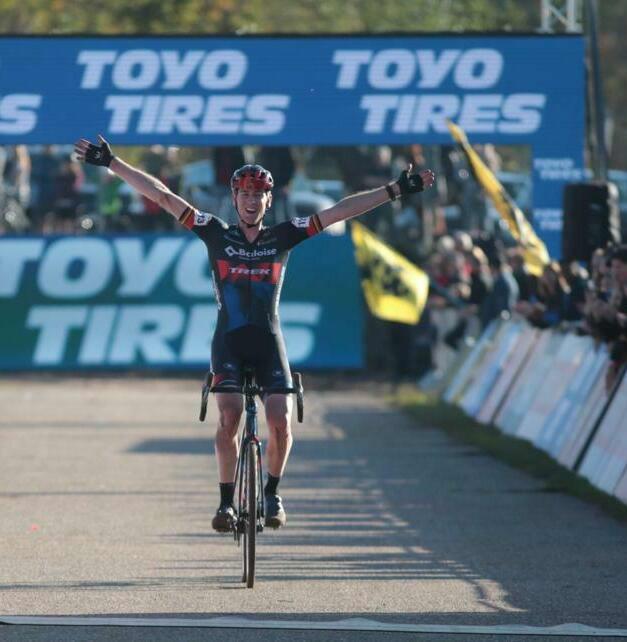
(535, 253)
(394, 288)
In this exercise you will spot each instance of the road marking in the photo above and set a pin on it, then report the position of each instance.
(353, 624)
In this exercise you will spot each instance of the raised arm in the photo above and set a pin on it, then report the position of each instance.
(363, 202)
(145, 184)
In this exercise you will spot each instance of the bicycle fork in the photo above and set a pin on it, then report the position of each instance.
(250, 436)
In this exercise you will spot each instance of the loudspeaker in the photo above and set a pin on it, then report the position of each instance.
(591, 219)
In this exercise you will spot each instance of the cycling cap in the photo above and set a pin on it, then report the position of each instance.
(252, 177)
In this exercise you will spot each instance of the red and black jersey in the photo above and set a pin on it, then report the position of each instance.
(248, 276)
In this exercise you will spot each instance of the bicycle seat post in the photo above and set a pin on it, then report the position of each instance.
(250, 390)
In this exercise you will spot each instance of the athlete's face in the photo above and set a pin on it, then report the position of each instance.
(252, 204)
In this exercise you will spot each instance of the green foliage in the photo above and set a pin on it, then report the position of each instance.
(262, 16)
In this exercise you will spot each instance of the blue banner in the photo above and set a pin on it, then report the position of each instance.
(104, 302)
(525, 90)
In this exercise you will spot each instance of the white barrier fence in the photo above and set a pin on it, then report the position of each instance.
(547, 387)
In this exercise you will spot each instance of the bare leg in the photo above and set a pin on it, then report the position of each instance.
(278, 414)
(230, 407)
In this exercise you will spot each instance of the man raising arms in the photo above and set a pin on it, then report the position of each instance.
(248, 263)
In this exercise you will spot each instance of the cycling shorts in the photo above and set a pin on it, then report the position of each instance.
(253, 346)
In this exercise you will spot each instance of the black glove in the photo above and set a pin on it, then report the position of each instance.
(410, 183)
(99, 154)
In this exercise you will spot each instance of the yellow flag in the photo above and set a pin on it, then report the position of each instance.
(534, 251)
(394, 288)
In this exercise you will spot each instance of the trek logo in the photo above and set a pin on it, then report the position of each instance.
(241, 252)
(269, 272)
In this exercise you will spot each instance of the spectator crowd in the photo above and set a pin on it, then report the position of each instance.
(477, 272)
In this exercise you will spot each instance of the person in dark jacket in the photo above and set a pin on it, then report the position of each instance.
(504, 293)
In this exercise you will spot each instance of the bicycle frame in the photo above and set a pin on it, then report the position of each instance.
(248, 471)
(250, 434)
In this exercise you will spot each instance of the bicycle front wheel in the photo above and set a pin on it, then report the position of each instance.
(251, 508)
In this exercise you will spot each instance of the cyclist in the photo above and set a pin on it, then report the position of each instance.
(248, 263)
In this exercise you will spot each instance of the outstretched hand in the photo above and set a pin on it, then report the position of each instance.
(94, 154)
(409, 183)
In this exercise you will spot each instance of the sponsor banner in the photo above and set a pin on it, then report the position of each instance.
(585, 419)
(562, 420)
(515, 358)
(621, 488)
(513, 410)
(526, 90)
(148, 301)
(486, 374)
(555, 372)
(480, 351)
(606, 459)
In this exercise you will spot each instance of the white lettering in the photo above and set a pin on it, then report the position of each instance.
(392, 69)
(404, 113)
(480, 113)
(95, 63)
(197, 341)
(18, 113)
(476, 113)
(398, 68)
(93, 350)
(300, 338)
(548, 219)
(178, 71)
(350, 61)
(54, 324)
(478, 69)
(143, 332)
(91, 258)
(231, 251)
(558, 169)
(136, 334)
(523, 111)
(191, 274)
(14, 255)
(222, 69)
(122, 108)
(223, 115)
(149, 115)
(255, 115)
(136, 69)
(265, 115)
(377, 108)
(433, 68)
(141, 272)
(178, 114)
(432, 112)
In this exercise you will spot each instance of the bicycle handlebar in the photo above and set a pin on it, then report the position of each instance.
(297, 390)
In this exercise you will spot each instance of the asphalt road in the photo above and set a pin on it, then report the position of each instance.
(107, 489)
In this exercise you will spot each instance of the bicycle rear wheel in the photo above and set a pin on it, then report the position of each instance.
(250, 534)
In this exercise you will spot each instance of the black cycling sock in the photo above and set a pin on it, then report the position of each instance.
(271, 485)
(227, 491)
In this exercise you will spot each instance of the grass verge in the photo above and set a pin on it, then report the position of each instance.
(430, 411)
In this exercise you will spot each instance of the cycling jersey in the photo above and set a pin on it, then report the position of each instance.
(247, 278)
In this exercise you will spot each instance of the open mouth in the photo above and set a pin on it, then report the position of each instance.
(251, 211)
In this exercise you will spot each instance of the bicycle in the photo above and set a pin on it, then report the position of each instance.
(249, 473)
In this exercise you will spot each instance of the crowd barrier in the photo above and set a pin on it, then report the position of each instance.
(548, 387)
